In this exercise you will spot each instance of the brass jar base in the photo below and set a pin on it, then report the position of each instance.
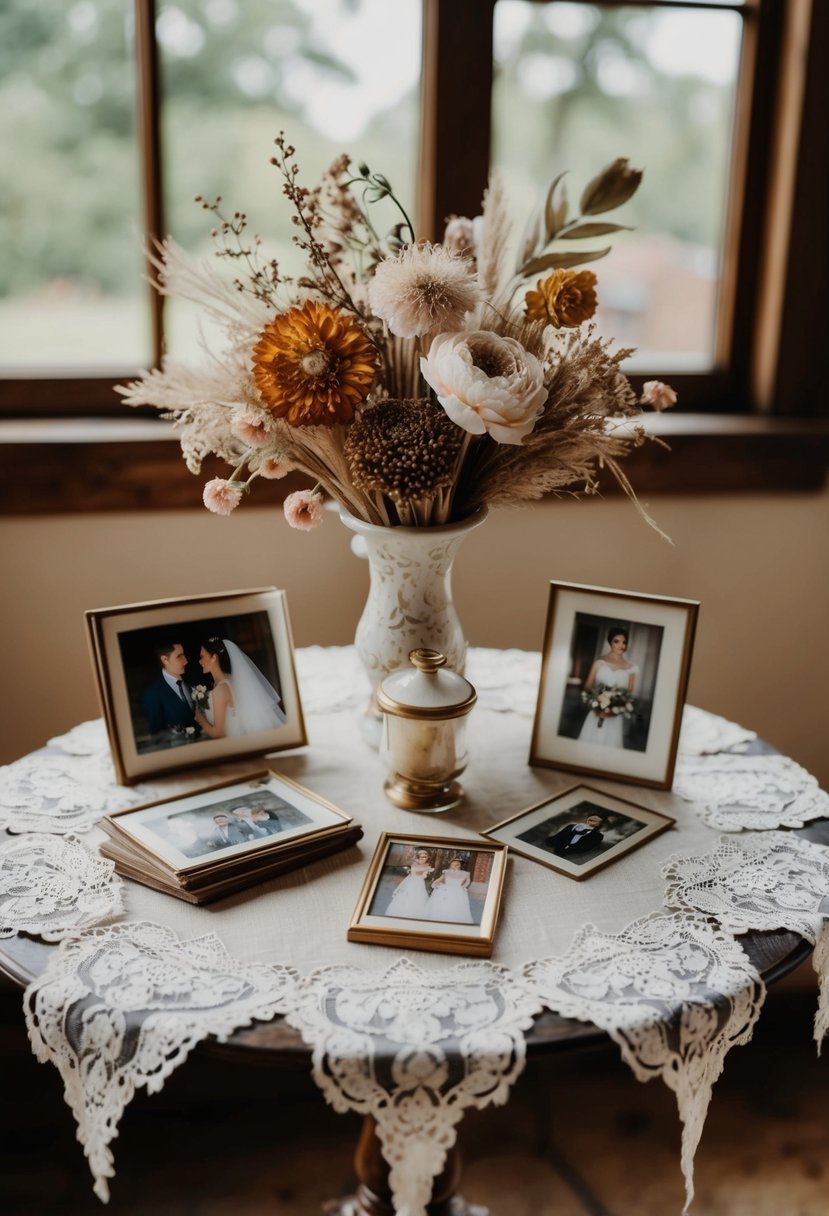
(421, 795)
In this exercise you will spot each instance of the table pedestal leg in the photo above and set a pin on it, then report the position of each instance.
(373, 1197)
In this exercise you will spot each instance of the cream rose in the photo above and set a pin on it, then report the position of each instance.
(486, 383)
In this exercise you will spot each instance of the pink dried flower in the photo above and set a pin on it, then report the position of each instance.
(274, 467)
(459, 235)
(424, 290)
(222, 496)
(660, 396)
(303, 510)
(252, 427)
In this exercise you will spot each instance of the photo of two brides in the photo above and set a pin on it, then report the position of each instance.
(433, 885)
(193, 682)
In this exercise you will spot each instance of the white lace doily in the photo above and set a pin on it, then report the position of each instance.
(820, 962)
(416, 1045)
(61, 791)
(505, 680)
(705, 734)
(54, 886)
(119, 1009)
(773, 881)
(85, 739)
(321, 694)
(415, 1050)
(673, 991)
(734, 792)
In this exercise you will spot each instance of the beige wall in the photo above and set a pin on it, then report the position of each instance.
(757, 563)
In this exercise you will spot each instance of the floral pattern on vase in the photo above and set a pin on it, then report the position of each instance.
(409, 602)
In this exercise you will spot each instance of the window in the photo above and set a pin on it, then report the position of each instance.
(577, 85)
(596, 80)
(128, 108)
(132, 106)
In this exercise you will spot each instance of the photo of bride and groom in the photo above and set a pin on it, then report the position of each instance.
(191, 682)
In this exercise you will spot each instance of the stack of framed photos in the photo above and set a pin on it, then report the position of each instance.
(225, 837)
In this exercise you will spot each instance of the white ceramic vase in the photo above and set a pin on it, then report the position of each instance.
(409, 602)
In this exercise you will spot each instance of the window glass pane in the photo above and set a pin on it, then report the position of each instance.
(335, 75)
(577, 86)
(71, 291)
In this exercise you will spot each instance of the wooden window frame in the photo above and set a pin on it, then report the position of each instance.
(765, 402)
(455, 150)
(73, 392)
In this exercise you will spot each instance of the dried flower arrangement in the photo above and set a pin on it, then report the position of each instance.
(413, 382)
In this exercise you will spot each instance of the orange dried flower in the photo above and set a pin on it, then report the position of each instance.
(313, 365)
(564, 300)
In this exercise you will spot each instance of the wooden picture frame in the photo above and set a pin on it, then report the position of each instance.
(149, 661)
(546, 831)
(614, 675)
(407, 900)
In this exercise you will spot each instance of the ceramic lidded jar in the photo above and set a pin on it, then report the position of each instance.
(425, 707)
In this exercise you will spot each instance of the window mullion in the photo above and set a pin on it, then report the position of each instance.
(148, 95)
(797, 259)
(455, 111)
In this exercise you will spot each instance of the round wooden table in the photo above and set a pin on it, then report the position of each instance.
(275, 1043)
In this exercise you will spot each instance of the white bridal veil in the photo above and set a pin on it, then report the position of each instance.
(256, 702)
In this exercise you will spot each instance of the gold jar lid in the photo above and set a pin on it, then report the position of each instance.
(427, 690)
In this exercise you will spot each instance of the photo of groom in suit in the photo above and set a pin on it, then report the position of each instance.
(575, 840)
(166, 703)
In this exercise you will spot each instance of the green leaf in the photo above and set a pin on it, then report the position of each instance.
(587, 230)
(561, 261)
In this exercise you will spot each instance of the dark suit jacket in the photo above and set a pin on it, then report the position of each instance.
(246, 830)
(234, 836)
(567, 840)
(271, 825)
(163, 708)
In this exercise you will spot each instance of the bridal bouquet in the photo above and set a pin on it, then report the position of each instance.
(604, 701)
(200, 696)
(413, 382)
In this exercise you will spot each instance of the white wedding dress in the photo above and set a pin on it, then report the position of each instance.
(256, 706)
(607, 732)
(449, 900)
(231, 723)
(410, 897)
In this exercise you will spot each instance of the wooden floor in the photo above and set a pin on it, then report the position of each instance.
(579, 1138)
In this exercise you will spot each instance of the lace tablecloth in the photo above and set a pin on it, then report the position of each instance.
(647, 949)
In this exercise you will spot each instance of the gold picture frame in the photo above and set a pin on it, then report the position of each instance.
(614, 675)
(546, 832)
(149, 697)
(407, 900)
(225, 836)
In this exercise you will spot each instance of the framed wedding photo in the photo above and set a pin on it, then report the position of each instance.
(431, 893)
(614, 675)
(224, 837)
(579, 831)
(196, 681)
